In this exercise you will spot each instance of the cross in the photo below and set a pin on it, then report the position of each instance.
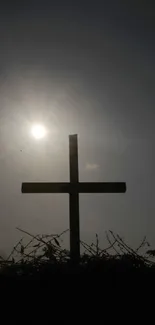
(73, 188)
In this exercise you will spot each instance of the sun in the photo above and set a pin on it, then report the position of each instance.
(38, 131)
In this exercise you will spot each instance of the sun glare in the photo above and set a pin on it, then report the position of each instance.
(38, 131)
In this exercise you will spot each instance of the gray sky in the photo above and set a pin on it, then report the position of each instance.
(86, 68)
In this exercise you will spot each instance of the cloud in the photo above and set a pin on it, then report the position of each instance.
(92, 166)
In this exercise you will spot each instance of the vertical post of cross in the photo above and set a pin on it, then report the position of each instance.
(74, 200)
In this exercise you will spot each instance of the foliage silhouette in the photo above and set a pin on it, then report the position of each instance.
(45, 251)
(112, 283)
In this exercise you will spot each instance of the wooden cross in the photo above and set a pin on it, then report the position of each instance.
(73, 188)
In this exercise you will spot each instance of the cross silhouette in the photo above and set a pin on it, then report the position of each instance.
(73, 188)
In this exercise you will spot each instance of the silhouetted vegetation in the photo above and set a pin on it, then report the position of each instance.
(44, 252)
(114, 282)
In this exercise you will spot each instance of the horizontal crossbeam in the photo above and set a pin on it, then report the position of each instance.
(105, 187)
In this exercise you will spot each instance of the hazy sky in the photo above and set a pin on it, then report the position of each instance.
(83, 67)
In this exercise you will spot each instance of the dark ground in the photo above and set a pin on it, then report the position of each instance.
(103, 291)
